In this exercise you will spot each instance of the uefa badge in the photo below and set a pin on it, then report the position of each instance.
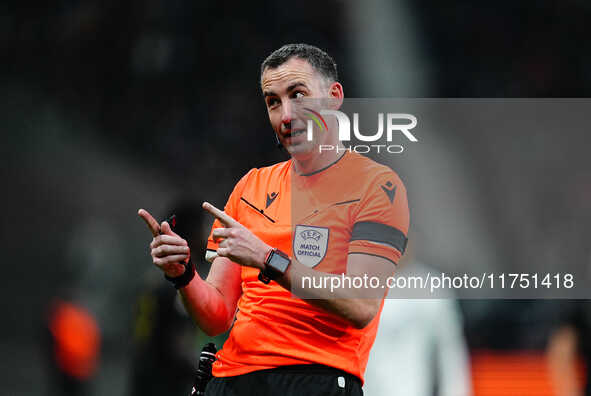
(309, 244)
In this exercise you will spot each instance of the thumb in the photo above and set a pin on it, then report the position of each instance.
(165, 229)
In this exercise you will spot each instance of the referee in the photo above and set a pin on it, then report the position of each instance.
(318, 215)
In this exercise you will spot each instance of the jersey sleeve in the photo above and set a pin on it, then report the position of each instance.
(231, 209)
(381, 223)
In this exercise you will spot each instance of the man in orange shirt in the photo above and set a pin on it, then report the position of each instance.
(314, 218)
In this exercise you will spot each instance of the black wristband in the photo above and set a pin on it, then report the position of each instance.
(186, 277)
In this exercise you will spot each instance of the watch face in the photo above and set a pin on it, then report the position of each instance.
(279, 263)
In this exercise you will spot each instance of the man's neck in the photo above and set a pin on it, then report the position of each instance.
(318, 162)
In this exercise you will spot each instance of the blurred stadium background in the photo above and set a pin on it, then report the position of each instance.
(108, 106)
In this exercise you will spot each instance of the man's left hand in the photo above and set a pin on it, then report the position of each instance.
(238, 244)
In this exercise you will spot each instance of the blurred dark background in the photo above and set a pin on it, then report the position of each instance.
(109, 106)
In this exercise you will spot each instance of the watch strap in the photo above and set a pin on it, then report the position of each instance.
(269, 272)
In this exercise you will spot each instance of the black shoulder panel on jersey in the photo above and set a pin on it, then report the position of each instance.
(381, 233)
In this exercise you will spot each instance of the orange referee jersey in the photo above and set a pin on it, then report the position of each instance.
(354, 206)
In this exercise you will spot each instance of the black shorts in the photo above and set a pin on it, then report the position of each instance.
(307, 379)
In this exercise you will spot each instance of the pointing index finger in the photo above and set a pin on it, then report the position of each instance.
(220, 215)
(150, 222)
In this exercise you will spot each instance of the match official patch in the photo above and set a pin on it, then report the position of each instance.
(309, 244)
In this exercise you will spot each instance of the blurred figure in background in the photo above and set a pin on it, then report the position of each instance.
(569, 351)
(420, 348)
(74, 345)
(166, 340)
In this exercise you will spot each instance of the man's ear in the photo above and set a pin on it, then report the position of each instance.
(336, 94)
(335, 90)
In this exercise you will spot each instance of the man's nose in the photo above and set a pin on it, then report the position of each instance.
(286, 115)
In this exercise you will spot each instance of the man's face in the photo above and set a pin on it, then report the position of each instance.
(282, 87)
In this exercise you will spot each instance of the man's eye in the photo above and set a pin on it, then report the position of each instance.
(299, 95)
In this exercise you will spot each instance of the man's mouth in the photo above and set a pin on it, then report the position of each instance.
(294, 133)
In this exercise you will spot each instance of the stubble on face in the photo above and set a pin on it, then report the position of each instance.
(295, 78)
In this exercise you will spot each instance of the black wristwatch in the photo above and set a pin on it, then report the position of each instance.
(276, 264)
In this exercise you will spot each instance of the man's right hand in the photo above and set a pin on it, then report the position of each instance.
(168, 250)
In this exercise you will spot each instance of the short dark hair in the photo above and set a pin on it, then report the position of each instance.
(318, 59)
